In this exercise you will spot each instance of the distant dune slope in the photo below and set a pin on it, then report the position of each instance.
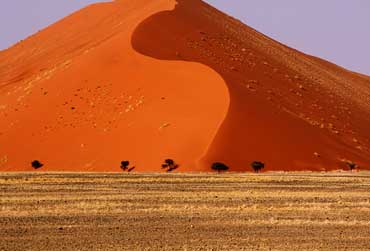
(148, 80)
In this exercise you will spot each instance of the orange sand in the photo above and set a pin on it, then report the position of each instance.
(148, 80)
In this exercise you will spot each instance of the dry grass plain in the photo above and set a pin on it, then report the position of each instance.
(93, 211)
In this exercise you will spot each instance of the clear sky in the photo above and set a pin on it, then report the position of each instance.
(337, 30)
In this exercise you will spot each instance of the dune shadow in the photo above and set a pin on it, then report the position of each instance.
(172, 35)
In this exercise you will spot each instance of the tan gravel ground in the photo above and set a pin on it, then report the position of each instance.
(277, 211)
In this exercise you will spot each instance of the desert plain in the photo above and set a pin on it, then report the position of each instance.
(179, 211)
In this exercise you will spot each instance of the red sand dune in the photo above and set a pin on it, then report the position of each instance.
(147, 80)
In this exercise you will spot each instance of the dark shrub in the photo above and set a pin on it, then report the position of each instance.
(36, 164)
(218, 166)
(351, 165)
(257, 166)
(170, 164)
(125, 164)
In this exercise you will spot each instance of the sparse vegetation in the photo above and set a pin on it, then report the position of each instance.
(170, 165)
(351, 165)
(125, 164)
(218, 166)
(36, 164)
(257, 166)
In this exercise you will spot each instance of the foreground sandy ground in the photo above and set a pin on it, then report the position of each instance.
(300, 211)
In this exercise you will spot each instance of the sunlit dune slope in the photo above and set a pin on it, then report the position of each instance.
(77, 97)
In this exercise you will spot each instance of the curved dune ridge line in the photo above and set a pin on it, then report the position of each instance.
(288, 109)
(146, 80)
(77, 97)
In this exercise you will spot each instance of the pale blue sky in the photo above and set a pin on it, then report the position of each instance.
(336, 30)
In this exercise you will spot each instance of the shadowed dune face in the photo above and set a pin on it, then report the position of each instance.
(148, 80)
(287, 109)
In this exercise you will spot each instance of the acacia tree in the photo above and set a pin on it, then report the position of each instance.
(351, 165)
(36, 164)
(219, 166)
(170, 165)
(257, 166)
(125, 164)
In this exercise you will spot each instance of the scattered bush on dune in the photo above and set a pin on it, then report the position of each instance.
(169, 162)
(125, 164)
(218, 166)
(257, 166)
(170, 165)
(36, 164)
(351, 165)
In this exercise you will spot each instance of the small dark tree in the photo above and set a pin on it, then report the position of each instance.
(170, 164)
(351, 165)
(36, 164)
(124, 165)
(218, 166)
(257, 166)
